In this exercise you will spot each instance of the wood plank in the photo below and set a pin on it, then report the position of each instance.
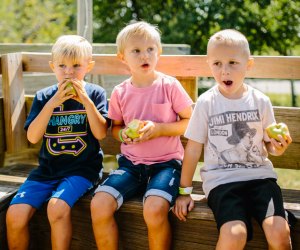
(278, 67)
(14, 102)
(2, 133)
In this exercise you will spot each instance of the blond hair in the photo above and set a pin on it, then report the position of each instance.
(141, 28)
(71, 47)
(229, 37)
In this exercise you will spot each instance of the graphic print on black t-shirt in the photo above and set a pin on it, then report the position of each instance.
(65, 131)
(232, 139)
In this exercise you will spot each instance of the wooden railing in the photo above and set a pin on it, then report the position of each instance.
(199, 232)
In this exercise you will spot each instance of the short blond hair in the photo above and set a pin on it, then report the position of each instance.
(229, 37)
(140, 28)
(71, 47)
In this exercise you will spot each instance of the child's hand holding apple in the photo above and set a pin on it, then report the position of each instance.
(280, 138)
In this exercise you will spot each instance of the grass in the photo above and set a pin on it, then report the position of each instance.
(283, 99)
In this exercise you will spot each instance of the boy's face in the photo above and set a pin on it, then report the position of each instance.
(67, 68)
(229, 64)
(141, 55)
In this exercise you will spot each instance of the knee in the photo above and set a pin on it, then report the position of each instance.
(156, 211)
(279, 238)
(58, 210)
(233, 236)
(103, 207)
(16, 218)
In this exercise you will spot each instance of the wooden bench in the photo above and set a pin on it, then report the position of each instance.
(17, 156)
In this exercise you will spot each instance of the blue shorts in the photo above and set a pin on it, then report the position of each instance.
(68, 189)
(160, 179)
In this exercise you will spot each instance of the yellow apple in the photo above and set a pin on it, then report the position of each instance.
(276, 129)
(133, 128)
(72, 90)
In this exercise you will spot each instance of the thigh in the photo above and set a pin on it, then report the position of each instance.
(228, 203)
(34, 193)
(164, 181)
(124, 182)
(71, 188)
(266, 200)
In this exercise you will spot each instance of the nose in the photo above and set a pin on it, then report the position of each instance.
(69, 70)
(225, 70)
(145, 55)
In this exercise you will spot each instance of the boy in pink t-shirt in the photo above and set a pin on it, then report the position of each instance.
(152, 162)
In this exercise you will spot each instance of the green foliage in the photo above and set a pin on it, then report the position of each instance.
(32, 21)
(267, 24)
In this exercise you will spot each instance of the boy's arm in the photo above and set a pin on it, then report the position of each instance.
(152, 130)
(38, 126)
(184, 203)
(97, 122)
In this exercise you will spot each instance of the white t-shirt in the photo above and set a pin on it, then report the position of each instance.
(232, 133)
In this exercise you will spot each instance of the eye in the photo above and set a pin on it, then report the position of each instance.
(233, 62)
(217, 63)
(136, 51)
(150, 49)
(76, 65)
(62, 66)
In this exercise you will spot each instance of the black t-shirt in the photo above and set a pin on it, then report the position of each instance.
(69, 147)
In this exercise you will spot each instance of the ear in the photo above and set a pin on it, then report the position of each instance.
(250, 63)
(90, 66)
(51, 65)
(120, 56)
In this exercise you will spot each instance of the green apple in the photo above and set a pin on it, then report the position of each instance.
(276, 129)
(133, 128)
(72, 90)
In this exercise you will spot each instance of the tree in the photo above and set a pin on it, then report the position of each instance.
(268, 24)
(32, 21)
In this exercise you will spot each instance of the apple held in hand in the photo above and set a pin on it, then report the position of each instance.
(276, 129)
(71, 89)
(133, 128)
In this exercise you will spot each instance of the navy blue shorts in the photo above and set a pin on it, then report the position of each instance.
(244, 200)
(160, 179)
(68, 189)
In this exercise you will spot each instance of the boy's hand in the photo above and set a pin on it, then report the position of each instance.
(80, 90)
(149, 131)
(60, 96)
(183, 205)
(278, 147)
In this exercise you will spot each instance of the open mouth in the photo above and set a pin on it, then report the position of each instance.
(227, 83)
(145, 65)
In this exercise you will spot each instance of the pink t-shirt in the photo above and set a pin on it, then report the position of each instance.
(160, 102)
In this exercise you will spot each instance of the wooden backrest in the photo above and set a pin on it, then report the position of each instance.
(186, 68)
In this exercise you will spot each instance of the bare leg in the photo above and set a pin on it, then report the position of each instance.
(59, 215)
(17, 223)
(103, 207)
(277, 233)
(233, 235)
(156, 210)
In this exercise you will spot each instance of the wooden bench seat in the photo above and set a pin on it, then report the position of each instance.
(17, 156)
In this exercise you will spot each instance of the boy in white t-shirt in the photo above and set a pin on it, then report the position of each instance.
(229, 122)
(151, 163)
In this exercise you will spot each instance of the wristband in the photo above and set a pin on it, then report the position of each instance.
(120, 135)
(185, 191)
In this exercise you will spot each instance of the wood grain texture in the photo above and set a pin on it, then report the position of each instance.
(276, 67)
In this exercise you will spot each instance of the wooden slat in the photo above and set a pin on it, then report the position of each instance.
(2, 133)
(14, 101)
(278, 67)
